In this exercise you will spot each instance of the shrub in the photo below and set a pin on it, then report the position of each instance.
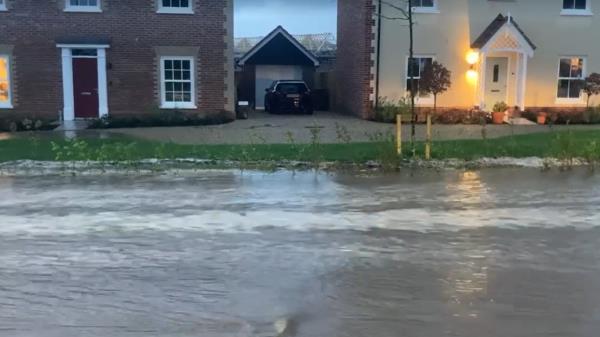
(592, 115)
(161, 118)
(530, 115)
(460, 116)
(388, 109)
(500, 107)
(15, 123)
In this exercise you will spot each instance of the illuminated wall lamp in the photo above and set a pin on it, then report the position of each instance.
(472, 60)
(472, 57)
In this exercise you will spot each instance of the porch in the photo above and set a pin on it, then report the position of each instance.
(500, 56)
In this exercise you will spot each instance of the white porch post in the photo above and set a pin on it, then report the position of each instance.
(519, 83)
(102, 83)
(67, 79)
(481, 81)
(523, 80)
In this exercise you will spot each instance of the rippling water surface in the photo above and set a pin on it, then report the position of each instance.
(508, 252)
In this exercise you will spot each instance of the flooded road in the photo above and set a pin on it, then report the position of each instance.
(505, 252)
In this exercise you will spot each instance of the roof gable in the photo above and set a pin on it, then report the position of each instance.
(279, 47)
(503, 22)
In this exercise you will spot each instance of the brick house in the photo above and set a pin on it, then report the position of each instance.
(529, 54)
(71, 59)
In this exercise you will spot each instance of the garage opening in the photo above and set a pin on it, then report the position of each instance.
(279, 56)
(283, 56)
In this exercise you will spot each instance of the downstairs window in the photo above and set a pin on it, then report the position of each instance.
(5, 82)
(177, 82)
(415, 69)
(570, 76)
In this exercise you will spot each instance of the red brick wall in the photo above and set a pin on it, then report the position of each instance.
(354, 62)
(134, 28)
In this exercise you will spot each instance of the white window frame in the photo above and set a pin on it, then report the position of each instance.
(578, 12)
(568, 100)
(163, 93)
(86, 9)
(7, 105)
(3, 5)
(175, 10)
(427, 10)
(426, 100)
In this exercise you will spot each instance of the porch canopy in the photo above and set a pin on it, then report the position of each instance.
(503, 38)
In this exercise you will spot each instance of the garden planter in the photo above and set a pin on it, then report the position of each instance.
(498, 117)
(541, 118)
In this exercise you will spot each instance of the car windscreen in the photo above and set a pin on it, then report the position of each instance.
(292, 88)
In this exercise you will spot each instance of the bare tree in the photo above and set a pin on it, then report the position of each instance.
(403, 11)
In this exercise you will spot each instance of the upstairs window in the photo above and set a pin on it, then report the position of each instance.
(576, 7)
(2, 5)
(571, 72)
(575, 4)
(425, 6)
(83, 6)
(5, 82)
(175, 6)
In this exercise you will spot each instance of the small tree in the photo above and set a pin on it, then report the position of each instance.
(591, 86)
(435, 80)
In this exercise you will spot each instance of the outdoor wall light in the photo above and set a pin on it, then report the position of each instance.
(472, 76)
(472, 57)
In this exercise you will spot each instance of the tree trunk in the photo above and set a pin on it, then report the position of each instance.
(587, 103)
(411, 57)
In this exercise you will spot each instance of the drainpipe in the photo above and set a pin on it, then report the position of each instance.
(378, 51)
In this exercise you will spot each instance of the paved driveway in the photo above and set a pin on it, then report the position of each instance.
(332, 128)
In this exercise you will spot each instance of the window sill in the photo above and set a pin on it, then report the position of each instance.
(184, 11)
(421, 101)
(171, 106)
(569, 101)
(424, 10)
(83, 10)
(576, 12)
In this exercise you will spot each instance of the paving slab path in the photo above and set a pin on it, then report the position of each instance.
(332, 128)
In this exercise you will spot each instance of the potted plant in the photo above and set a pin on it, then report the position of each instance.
(499, 112)
(541, 118)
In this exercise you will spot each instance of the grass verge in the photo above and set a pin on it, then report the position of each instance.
(562, 145)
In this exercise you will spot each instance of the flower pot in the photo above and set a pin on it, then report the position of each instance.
(541, 119)
(498, 117)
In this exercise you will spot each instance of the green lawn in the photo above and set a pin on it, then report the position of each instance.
(563, 144)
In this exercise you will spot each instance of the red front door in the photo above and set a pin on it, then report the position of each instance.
(85, 87)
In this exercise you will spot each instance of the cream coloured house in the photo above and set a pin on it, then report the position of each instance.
(526, 53)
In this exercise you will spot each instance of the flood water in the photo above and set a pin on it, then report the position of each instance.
(504, 252)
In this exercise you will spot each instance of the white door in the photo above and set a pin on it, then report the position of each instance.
(266, 74)
(496, 81)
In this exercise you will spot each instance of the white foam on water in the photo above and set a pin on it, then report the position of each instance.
(230, 202)
(219, 221)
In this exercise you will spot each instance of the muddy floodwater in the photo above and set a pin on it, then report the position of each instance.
(503, 252)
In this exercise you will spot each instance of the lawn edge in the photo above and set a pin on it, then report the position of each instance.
(193, 166)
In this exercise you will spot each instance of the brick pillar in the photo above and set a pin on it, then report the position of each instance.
(354, 64)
